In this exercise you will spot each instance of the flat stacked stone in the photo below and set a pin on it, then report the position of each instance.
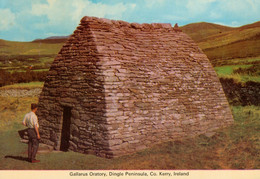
(130, 86)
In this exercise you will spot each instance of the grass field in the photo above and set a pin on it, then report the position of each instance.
(19, 56)
(228, 70)
(12, 48)
(30, 85)
(249, 67)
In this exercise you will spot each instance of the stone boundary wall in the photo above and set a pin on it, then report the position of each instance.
(20, 92)
(241, 94)
(130, 86)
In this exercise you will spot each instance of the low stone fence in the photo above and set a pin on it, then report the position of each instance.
(241, 94)
(20, 92)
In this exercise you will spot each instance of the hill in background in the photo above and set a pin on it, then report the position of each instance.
(37, 55)
(222, 43)
(53, 39)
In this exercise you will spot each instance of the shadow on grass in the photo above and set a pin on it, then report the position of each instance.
(17, 158)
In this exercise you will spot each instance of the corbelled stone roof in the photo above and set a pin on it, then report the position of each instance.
(126, 86)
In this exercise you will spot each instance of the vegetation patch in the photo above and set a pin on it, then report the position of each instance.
(228, 70)
(30, 85)
(12, 110)
(7, 78)
(240, 70)
(241, 93)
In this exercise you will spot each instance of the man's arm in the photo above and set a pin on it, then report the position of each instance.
(35, 123)
(24, 119)
(37, 131)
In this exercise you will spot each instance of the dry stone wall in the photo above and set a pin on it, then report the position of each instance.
(130, 86)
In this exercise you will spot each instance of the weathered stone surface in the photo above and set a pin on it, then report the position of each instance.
(127, 86)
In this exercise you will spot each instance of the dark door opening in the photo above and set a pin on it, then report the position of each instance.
(65, 132)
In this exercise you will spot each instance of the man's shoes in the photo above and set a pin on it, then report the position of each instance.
(35, 161)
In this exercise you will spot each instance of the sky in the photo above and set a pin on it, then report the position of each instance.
(26, 20)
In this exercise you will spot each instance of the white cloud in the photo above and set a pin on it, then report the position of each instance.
(7, 19)
(87, 8)
(70, 11)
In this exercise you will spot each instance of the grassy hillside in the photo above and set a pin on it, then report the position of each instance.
(10, 48)
(234, 52)
(19, 56)
(222, 43)
(203, 30)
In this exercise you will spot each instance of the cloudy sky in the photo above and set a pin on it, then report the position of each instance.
(26, 20)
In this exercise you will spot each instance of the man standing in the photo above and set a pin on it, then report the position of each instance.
(31, 121)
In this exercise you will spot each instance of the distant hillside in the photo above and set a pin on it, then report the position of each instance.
(53, 39)
(20, 56)
(12, 48)
(222, 43)
(253, 25)
(203, 30)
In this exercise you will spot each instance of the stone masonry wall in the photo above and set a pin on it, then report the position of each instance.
(74, 81)
(130, 86)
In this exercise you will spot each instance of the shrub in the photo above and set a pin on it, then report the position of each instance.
(7, 78)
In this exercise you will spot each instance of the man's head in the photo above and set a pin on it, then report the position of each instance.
(34, 107)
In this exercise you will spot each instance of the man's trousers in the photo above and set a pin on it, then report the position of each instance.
(33, 144)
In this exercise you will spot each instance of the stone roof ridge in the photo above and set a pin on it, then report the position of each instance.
(121, 23)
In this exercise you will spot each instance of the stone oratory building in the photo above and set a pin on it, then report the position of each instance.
(116, 88)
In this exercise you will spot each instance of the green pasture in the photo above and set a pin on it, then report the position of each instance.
(22, 65)
(11, 48)
(228, 70)
(20, 56)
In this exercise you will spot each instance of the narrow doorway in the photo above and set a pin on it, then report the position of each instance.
(65, 132)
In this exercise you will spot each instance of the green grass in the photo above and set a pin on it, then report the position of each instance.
(234, 147)
(228, 70)
(28, 48)
(12, 110)
(21, 64)
(250, 60)
(19, 56)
